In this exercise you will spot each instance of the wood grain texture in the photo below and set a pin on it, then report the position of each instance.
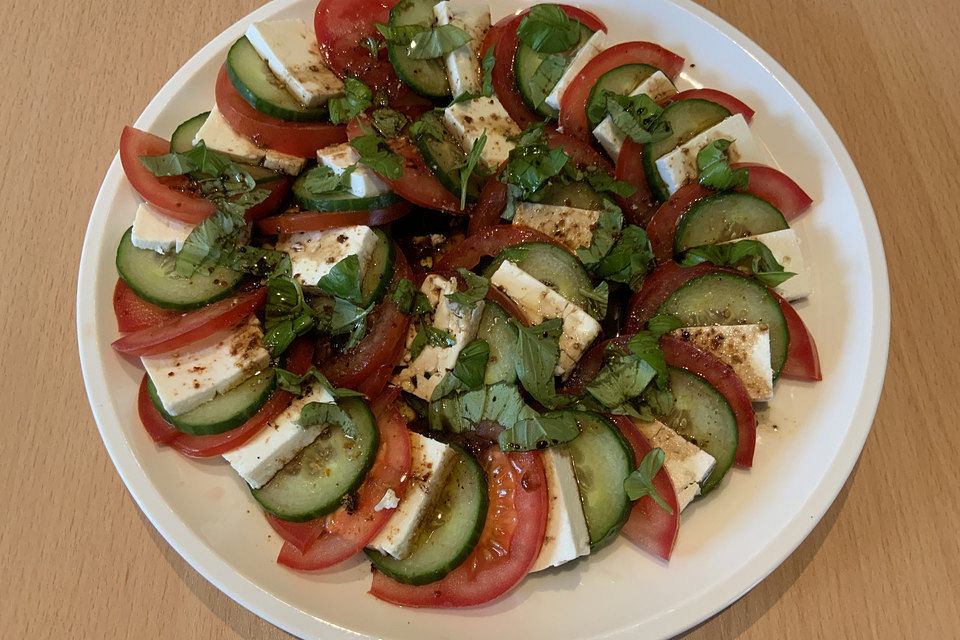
(81, 561)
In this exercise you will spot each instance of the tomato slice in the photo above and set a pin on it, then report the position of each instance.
(153, 423)
(657, 287)
(777, 188)
(134, 313)
(734, 105)
(322, 220)
(803, 359)
(494, 294)
(508, 546)
(640, 207)
(298, 534)
(489, 242)
(301, 139)
(649, 525)
(663, 225)
(187, 328)
(582, 153)
(573, 103)
(490, 205)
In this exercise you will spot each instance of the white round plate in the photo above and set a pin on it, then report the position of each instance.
(728, 542)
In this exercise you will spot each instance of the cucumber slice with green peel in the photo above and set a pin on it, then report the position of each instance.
(525, 65)
(314, 483)
(726, 216)
(182, 138)
(379, 273)
(702, 415)
(686, 119)
(426, 77)
(623, 80)
(553, 266)
(726, 299)
(495, 328)
(445, 157)
(579, 195)
(152, 277)
(226, 411)
(252, 78)
(449, 530)
(602, 460)
(338, 200)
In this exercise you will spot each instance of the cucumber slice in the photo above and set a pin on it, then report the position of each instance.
(448, 531)
(602, 460)
(555, 267)
(726, 216)
(152, 277)
(226, 411)
(379, 273)
(496, 329)
(623, 80)
(525, 65)
(579, 195)
(686, 119)
(252, 78)
(314, 483)
(726, 299)
(426, 77)
(445, 157)
(182, 138)
(339, 200)
(703, 416)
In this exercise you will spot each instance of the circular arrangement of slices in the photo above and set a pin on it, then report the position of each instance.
(471, 298)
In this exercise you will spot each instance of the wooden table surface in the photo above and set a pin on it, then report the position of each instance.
(81, 561)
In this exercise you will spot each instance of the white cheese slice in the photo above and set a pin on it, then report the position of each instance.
(539, 302)
(566, 536)
(156, 232)
(680, 165)
(314, 253)
(463, 64)
(745, 347)
(594, 45)
(571, 226)
(217, 134)
(468, 120)
(658, 87)
(188, 377)
(430, 464)
(785, 247)
(363, 181)
(686, 463)
(422, 375)
(279, 442)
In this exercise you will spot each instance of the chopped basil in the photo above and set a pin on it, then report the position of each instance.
(629, 260)
(458, 412)
(470, 166)
(640, 482)
(646, 346)
(357, 97)
(637, 116)
(597, 300)
(538, 353)
(316, 413)
(431, 335)
(437, 42)
(605, 233)
(623, 377)
(539, 432)
(530, 165)
(376, 154)
(548, 29)
(373, 45)
(410, 300)
(389, 122)
(477, 287)
(343, 280)
(289, 381)
(401, 34)
(751, 256)
(287, 314)
(471, 364)
(486, 66)
(715, 170)
(545, 78)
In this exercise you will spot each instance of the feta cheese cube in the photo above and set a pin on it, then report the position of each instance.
(219, 136)
(314, 253)
(745, 347)
(463, 64)
(422, 375)
(431, 461)
(680, 165)
(539, 302)
(594, 45)
(658, 87)
(279, 442)
(785, 247)
(686, 463)
(363, 181)
(566, 536)
(188, 377)
(156, 232)
(468, 120)
(571, 226)
(291, 51)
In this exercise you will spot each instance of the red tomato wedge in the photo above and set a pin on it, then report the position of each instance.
(187, 328)
(301, 139)
(734, 105)
(777, 188)
(134, 313)
(581, 153)
(298, 534)
(640, 207)
(490, 205)
(322, 220)
(573, 103)
(489, 242)
(508, 546)
(657, 287)
(649, 525)
(663, 225)
(161, 431)
(721, 377)
(803, 359)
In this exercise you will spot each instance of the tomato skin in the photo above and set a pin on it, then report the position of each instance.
(640, 207)
(516, 521)
(580, 152)
(649, 526)
(187, 328)
(503, 76)
(161, 431)
(734, 105)
(323, 220)
(663, 225)
(803, 359)
(490, 205)
(133, 313)
(573, 103)
(777, 188)
(656, 288)
(494, 294)
(300, 535)
(489, 242)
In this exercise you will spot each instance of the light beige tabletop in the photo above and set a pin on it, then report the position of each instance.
(79, 560)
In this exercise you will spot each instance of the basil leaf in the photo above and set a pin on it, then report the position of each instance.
(410, 300)
(262, 263)
(470, 166)
(343, 280)
(286, 314)
(437, 42)
(539, 432)
(597, 300)
(389, 122)
(531, 163)
(317, 413)
(471, 365)
(637, 116)
(750, 256)
(545, 78)
(426, 127)
(357, 97)
(401, 34)
(208, 240)
(477, 287)
(515, 254)
(320, 180)
(418, 344)
(372, 45)
(459, 412)
(629, 260)
(170, 164)
(548, 29)
(602, 182)
(486, 66)
(646, 346)
(376, 154)
(663, 323)
(605, 233)
(428, 334)
(715, 170)
(622, 378)
(640, 482)
(656, 402)
(538, 353)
